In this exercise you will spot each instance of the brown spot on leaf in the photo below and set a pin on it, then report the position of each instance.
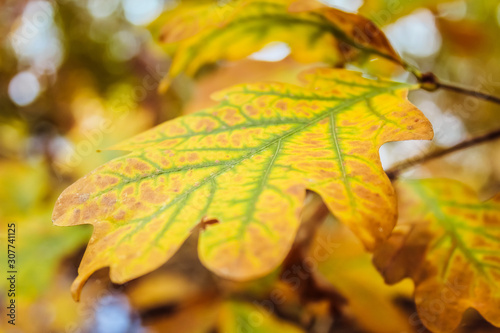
(282, 105)
(251, 110)
(193, 157)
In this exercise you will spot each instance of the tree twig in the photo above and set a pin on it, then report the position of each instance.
(465, 91)
(396, 170)
(430, 82)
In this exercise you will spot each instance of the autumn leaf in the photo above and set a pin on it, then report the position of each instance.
(245, 163)
(190, 19)
(240, 72)
(448, 242)
(342, 261)
(314, 34)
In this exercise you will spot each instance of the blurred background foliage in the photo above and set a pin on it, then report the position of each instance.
(77, 77)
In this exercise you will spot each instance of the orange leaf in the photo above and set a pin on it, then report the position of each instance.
(448, 242)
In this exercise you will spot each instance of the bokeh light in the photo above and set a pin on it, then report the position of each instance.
(101, 9)
(24, 88)
(345, 5)
(425, 38)
(36, 39)
(272, 52)
(141, 12)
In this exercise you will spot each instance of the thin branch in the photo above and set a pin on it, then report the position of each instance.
(465, 91)
(396, 170)
(430, 82)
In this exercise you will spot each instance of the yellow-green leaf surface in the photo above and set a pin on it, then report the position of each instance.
(448, 242)
(189, 19)
(313, 34)
(247, 163)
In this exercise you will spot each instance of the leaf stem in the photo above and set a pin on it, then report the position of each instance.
(396, 170)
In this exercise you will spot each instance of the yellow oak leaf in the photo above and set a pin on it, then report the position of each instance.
(448, 242)
(246, 164)
(313, 33)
